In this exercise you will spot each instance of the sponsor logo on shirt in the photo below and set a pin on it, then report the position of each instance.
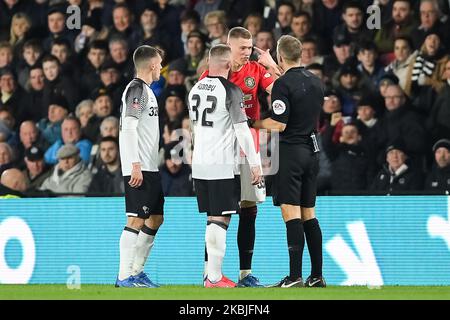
(267, 75)
(250, 82)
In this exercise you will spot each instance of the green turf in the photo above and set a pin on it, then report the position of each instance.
(198, 293)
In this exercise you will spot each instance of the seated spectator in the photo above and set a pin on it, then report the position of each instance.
(8, 126)
(56, 22)
(120, 56)
(62, 50)
(12, 95)
(176, 73)
(285, 14)
(385, 81)
(29, 135)
(57, 84)
(310, 53)
(301, 27)
(332, 104)
(253, 23)
(369, 128)
(35, 86)
(351, 87)
(12, 184)
(329, 13)
(427, 72)
(265, 41)
(6, 157)
(36, 170)
(112, 81)
(51, 126)
(91, 31)
(403, 63)
(150, 33)
(84, 112)
(341, 53)
(353, 25)
(369, 66)
(176, 176)
(71, 134)
(439, 177)
(32, 52)
(430, 15)
(124, 26)
(397, 174)
(108, 128)
(20, 31)
(400, 123)
(102, 109)
(173, 99)
(216, 25)
(196, 44)
(438, 123)
(190, 21)
(349, 161)
(401, 24)
(108, 178)
(6, 54)
(70, 174)
(96, 56)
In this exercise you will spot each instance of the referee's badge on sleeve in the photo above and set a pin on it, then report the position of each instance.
(278, 107)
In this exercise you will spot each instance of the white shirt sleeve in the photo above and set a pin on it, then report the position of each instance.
(245, 140)
(130, 137)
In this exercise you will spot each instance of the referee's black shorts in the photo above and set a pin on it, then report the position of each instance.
(295, 183)
(218, 197)
(146, 200)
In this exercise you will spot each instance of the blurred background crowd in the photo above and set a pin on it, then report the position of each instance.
(384, 127)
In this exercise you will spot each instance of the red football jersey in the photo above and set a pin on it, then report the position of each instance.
(251, 77)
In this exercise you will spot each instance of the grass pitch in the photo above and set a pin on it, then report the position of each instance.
(101, 292)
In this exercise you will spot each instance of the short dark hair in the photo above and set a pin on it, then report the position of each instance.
(302, 13)
(98, 44)
(110, 139)
(352, 4)
(50, 58)
(315, 66)
(405, 38)
(35, 44)
(61, 42)
(290, 48)
(144, 53)
(286, 3)
(239, 32)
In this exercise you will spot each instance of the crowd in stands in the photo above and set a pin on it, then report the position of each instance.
(385, 123)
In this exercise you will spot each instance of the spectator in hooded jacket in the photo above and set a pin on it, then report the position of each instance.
(439, 177)
(397, 174)
(70, 174)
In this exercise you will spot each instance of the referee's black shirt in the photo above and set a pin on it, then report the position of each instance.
(297, 98)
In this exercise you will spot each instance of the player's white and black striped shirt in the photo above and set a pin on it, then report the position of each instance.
(139, 128)
(215, 104)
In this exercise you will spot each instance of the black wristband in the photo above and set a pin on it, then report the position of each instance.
(250, 122)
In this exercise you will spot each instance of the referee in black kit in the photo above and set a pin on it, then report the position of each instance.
(297, 98)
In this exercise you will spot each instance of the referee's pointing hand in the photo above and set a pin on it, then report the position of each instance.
(136, 176)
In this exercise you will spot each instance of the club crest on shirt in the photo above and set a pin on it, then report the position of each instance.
(250, 82)
(278, 107)
(135, 103)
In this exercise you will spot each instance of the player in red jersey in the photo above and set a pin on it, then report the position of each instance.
(250, 76)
